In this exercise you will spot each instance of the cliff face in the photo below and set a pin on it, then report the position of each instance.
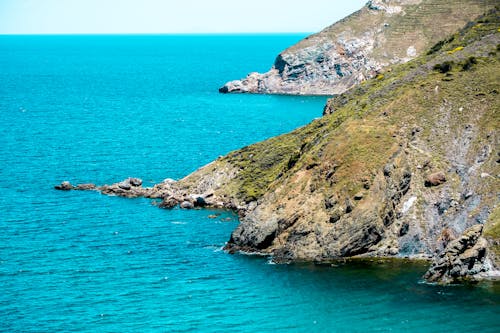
(401, 165)
(383, 33)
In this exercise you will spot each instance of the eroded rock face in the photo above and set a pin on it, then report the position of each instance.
(381, 34)
(463, 259)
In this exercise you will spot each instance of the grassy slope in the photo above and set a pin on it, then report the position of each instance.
(423, 22)
(358, 133)
(414, 116)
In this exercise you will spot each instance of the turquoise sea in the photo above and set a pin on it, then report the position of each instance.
(103, 108)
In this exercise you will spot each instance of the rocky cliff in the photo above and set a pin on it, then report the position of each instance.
(382, 33)
(406, 164)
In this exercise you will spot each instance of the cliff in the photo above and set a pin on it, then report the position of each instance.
(406, 164)
(382, 33)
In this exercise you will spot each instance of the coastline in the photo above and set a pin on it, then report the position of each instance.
(370, 178)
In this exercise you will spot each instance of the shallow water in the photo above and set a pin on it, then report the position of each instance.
(103, 108)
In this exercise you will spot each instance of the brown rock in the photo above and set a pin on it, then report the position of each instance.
(64, 186)
(435, 179)
(168, 202)
(187, 205)
(125, 185)
(135, 182)
(85, 187)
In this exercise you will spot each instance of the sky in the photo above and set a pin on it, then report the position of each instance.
(170, 16)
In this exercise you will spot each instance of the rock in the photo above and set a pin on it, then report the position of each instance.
(467, 195)
(336, 214)
(200, 202)
(330, 202)
(252, 234)
(388, 169)
(358, 196)
(64, 186)
(128, 183)
(462, 259)
(187, 205)
(125, 189)
(135, 182)
(404, 229)
(435, 179)
(168, 203)
(124, 185)
(349, 206)
(85, 187)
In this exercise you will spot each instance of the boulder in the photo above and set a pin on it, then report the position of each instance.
(169, 202)
(435, 179)
(64, 186)
(136, 182)
(124, 185)
(187, 205)
(462, 260)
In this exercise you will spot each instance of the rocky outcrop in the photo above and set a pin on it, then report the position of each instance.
(381, 34)
(185, 193)
(64, 186)
(390, 170)
(463, 259)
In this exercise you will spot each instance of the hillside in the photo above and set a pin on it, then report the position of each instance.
(400, 166)
(382, 33)
(406, 164)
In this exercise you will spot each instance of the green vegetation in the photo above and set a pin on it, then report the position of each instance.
(492, 228)
(422, 24)
(341, 155)
(353, 182)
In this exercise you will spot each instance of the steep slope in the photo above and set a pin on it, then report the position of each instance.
(382, 33)
(399, 166)
(407, 164)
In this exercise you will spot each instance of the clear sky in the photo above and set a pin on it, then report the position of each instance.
(170, 16)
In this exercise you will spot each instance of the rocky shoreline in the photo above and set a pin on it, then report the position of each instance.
(170, 194)
(381, 34)
(463, 260)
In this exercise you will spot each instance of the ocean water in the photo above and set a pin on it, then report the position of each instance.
(103, 108)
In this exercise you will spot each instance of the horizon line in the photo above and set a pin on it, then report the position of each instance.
(157, 33)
